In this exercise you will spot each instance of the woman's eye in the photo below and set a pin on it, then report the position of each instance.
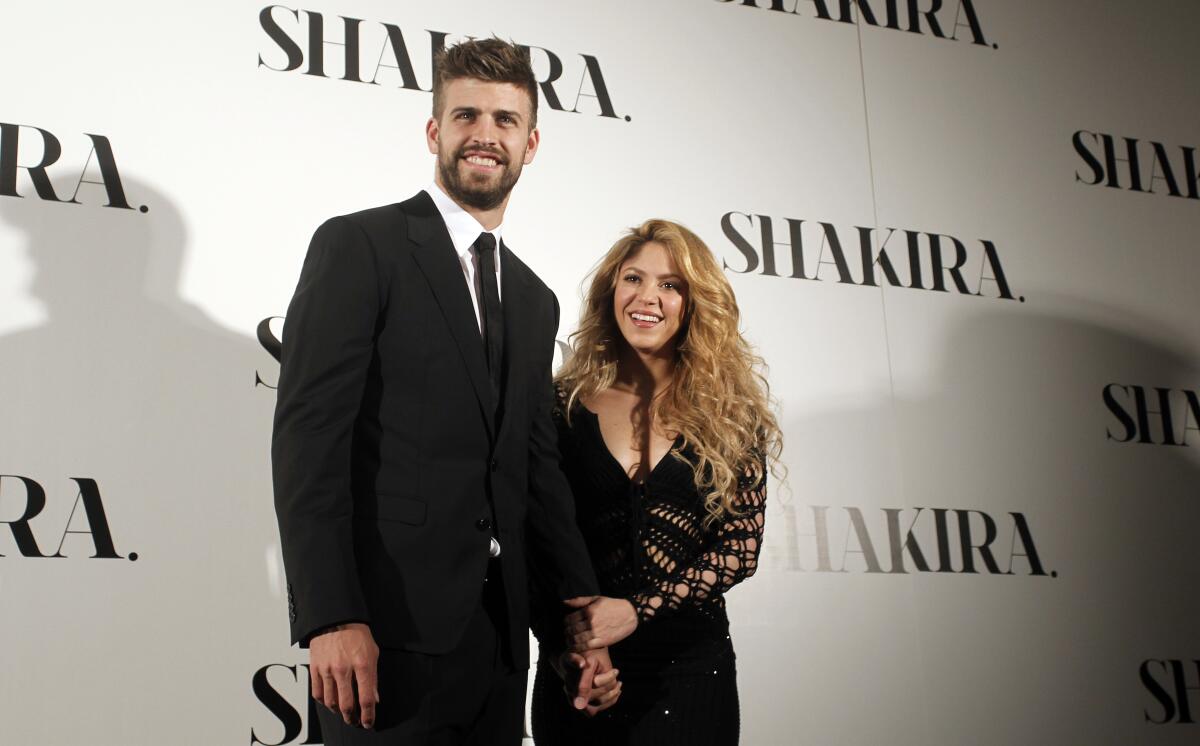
(632, 278)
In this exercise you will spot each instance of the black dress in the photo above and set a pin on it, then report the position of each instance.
(648, 544)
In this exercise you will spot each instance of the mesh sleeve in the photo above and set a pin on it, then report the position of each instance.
(730, 558)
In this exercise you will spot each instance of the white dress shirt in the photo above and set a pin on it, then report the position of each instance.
(464, 230)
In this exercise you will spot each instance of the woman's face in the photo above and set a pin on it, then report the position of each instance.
(649, 300)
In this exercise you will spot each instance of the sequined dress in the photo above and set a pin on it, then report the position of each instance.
(648, 544)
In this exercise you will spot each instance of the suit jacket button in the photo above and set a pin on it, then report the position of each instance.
(483, 524)
(495, 464)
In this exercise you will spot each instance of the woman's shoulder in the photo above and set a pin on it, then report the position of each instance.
(564, 408)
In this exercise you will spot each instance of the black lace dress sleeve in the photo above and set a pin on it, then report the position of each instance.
(728, 558)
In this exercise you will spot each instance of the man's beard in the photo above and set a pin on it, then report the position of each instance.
(479, 196)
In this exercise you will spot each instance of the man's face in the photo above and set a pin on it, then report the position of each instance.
(482, 138)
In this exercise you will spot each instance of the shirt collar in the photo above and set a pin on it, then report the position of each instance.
(464, 229)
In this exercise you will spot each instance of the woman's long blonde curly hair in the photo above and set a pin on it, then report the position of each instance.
(718, 398)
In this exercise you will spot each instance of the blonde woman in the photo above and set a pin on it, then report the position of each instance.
(664, 431)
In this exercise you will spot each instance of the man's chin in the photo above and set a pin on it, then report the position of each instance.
(481, 199)
(481, 182)
(482, 191)
(484, 194)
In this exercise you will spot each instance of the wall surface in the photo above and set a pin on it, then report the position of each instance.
(962, 233)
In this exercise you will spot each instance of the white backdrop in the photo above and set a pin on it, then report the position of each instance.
(129, 355)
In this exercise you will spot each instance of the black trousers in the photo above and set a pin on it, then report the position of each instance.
(471, 696)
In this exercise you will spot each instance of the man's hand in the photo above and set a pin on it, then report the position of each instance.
(589, 680)
(343, 660)
(600, 623)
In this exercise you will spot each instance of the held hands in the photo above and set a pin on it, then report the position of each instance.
(343, 661)
(589, 680)
(599, 622)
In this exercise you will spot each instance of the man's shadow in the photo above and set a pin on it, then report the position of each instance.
(130, 385)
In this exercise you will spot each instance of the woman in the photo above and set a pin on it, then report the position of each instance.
(664, 428)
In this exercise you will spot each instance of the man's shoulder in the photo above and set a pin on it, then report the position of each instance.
(376, 215)
(522, 270)
(384, 218)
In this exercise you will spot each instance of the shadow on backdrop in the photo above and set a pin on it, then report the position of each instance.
(1010, 418)
(130, 385)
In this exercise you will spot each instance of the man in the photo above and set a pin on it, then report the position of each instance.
(414, 458)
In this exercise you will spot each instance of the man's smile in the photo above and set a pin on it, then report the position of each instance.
(483, 161)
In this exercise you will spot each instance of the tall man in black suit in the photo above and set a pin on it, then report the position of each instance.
(415, 463)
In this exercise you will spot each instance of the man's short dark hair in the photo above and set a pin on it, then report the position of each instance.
(493, 60)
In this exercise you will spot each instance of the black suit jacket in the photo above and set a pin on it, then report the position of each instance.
(389, 459)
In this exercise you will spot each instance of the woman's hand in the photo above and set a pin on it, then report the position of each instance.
(589, 681)
(599, 623)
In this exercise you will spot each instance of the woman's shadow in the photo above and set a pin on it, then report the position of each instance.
(1009, 416)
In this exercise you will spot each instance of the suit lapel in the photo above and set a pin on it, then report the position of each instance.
(435, 255)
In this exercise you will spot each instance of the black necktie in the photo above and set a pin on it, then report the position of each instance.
(489, 301)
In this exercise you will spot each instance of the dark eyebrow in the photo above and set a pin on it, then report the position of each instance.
(514, 115)
(673, 277)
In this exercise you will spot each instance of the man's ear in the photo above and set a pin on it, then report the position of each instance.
(431, 135)
(531, 145)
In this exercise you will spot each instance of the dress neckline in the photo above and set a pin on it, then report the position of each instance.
(595, 419)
